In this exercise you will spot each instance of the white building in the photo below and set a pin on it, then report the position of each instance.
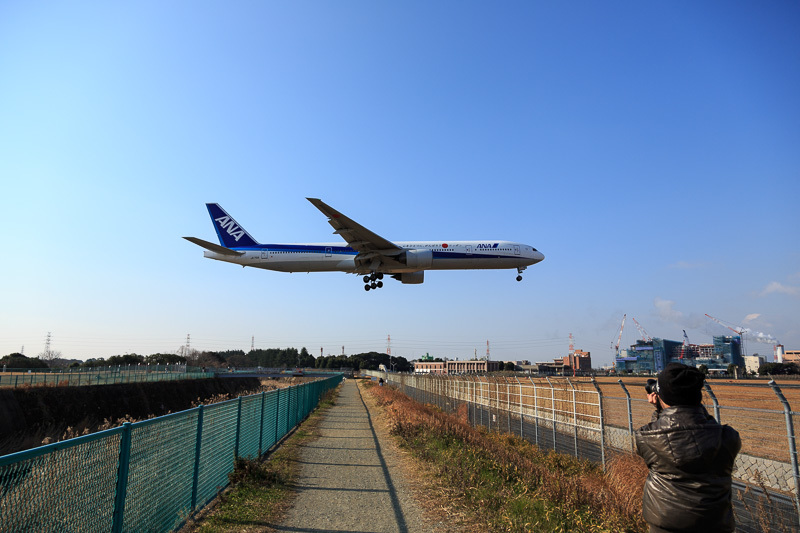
(752, 362)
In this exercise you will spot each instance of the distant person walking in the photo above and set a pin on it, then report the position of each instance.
(690, 457)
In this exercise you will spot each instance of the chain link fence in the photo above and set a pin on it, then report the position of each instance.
(591, 419)
(150, 475)
(106, 375)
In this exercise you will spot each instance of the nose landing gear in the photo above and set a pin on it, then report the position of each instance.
(373, 281)
(519, 273)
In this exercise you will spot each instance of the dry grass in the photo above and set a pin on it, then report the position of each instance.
(507, 483)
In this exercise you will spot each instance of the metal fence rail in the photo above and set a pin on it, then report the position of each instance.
(150, 475)
(74, 377)
(592, 420)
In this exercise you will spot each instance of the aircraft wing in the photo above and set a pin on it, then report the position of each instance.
(373, 250)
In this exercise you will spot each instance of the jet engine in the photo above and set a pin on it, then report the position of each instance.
(420, 259)
(410, 278)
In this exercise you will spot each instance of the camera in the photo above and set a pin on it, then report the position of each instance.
(652, 387)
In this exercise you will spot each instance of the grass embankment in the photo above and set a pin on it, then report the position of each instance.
(261, 490)
(508, 484)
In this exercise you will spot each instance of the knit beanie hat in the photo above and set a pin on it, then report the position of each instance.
(680, 385)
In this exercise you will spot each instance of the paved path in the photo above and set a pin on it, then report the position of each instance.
(348, 481)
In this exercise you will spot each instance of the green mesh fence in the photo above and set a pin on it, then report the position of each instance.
(150, 475)
(74, 377)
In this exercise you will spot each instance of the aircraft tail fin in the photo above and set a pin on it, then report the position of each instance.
(231, 234)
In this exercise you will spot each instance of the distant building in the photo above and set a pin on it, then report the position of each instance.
(579, 361)
(518, 365)
(652, 356)
(462, 367)
(429, 367)
(791, 356)
(753, 362)
(554, 368)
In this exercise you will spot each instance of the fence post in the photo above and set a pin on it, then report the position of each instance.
(122, 478)
(575, 418)
(521, 414)
(289, 410)
(238, 427)
(535, 411)
(508, 405)
(787, 410)
(261, 425)
(199, 439)
(277, 413)
(630, 413)
(713, 399)
(470, 406)
(602, 422)
(553, 410)
(492, 414)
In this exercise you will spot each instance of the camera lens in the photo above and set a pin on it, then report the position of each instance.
(650, 387)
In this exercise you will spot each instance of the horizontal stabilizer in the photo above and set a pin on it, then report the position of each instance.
(213, 247)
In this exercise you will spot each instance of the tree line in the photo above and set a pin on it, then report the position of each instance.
(268, 358)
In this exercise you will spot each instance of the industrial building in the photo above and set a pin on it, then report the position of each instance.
(429, 367)
(576, 362)
(651, 356)
(791, 356)
(455, 367)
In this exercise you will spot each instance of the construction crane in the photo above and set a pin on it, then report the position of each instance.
(685, 344)
(724, 325)
(619, 338)
(739, 331)
(642, 332)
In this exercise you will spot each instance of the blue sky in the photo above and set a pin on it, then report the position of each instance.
(649, 150)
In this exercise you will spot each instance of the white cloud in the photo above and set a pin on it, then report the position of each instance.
(751, 316)
(779, 288)
(665, 310)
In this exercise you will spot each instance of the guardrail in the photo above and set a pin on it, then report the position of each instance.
(74, 377)
(593, 419)
(150, 475)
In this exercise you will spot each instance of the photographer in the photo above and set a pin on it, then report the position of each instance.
(690, 457)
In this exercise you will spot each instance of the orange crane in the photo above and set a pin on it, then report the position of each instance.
(642, 332)
(739, 331)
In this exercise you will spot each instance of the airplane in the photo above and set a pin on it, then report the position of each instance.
(365, 253)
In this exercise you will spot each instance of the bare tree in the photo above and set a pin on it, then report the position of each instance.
(49, 355)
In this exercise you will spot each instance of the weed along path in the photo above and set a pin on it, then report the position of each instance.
(349, 480)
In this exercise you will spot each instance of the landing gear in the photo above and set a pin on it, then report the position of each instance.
(519, 278)
(519, 273)
(373, 281)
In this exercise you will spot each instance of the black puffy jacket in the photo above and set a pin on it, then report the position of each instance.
(690, 457)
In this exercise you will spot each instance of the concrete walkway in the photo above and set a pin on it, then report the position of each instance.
(348, 481)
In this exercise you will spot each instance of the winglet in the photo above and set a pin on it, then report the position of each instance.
(231, 234)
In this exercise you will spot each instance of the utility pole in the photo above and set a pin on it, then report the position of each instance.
(47, 346)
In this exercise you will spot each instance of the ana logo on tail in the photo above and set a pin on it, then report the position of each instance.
(227, 223)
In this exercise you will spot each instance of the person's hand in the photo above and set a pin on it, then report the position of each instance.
(653, 398)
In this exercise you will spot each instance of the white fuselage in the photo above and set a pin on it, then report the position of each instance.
(333, 257)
